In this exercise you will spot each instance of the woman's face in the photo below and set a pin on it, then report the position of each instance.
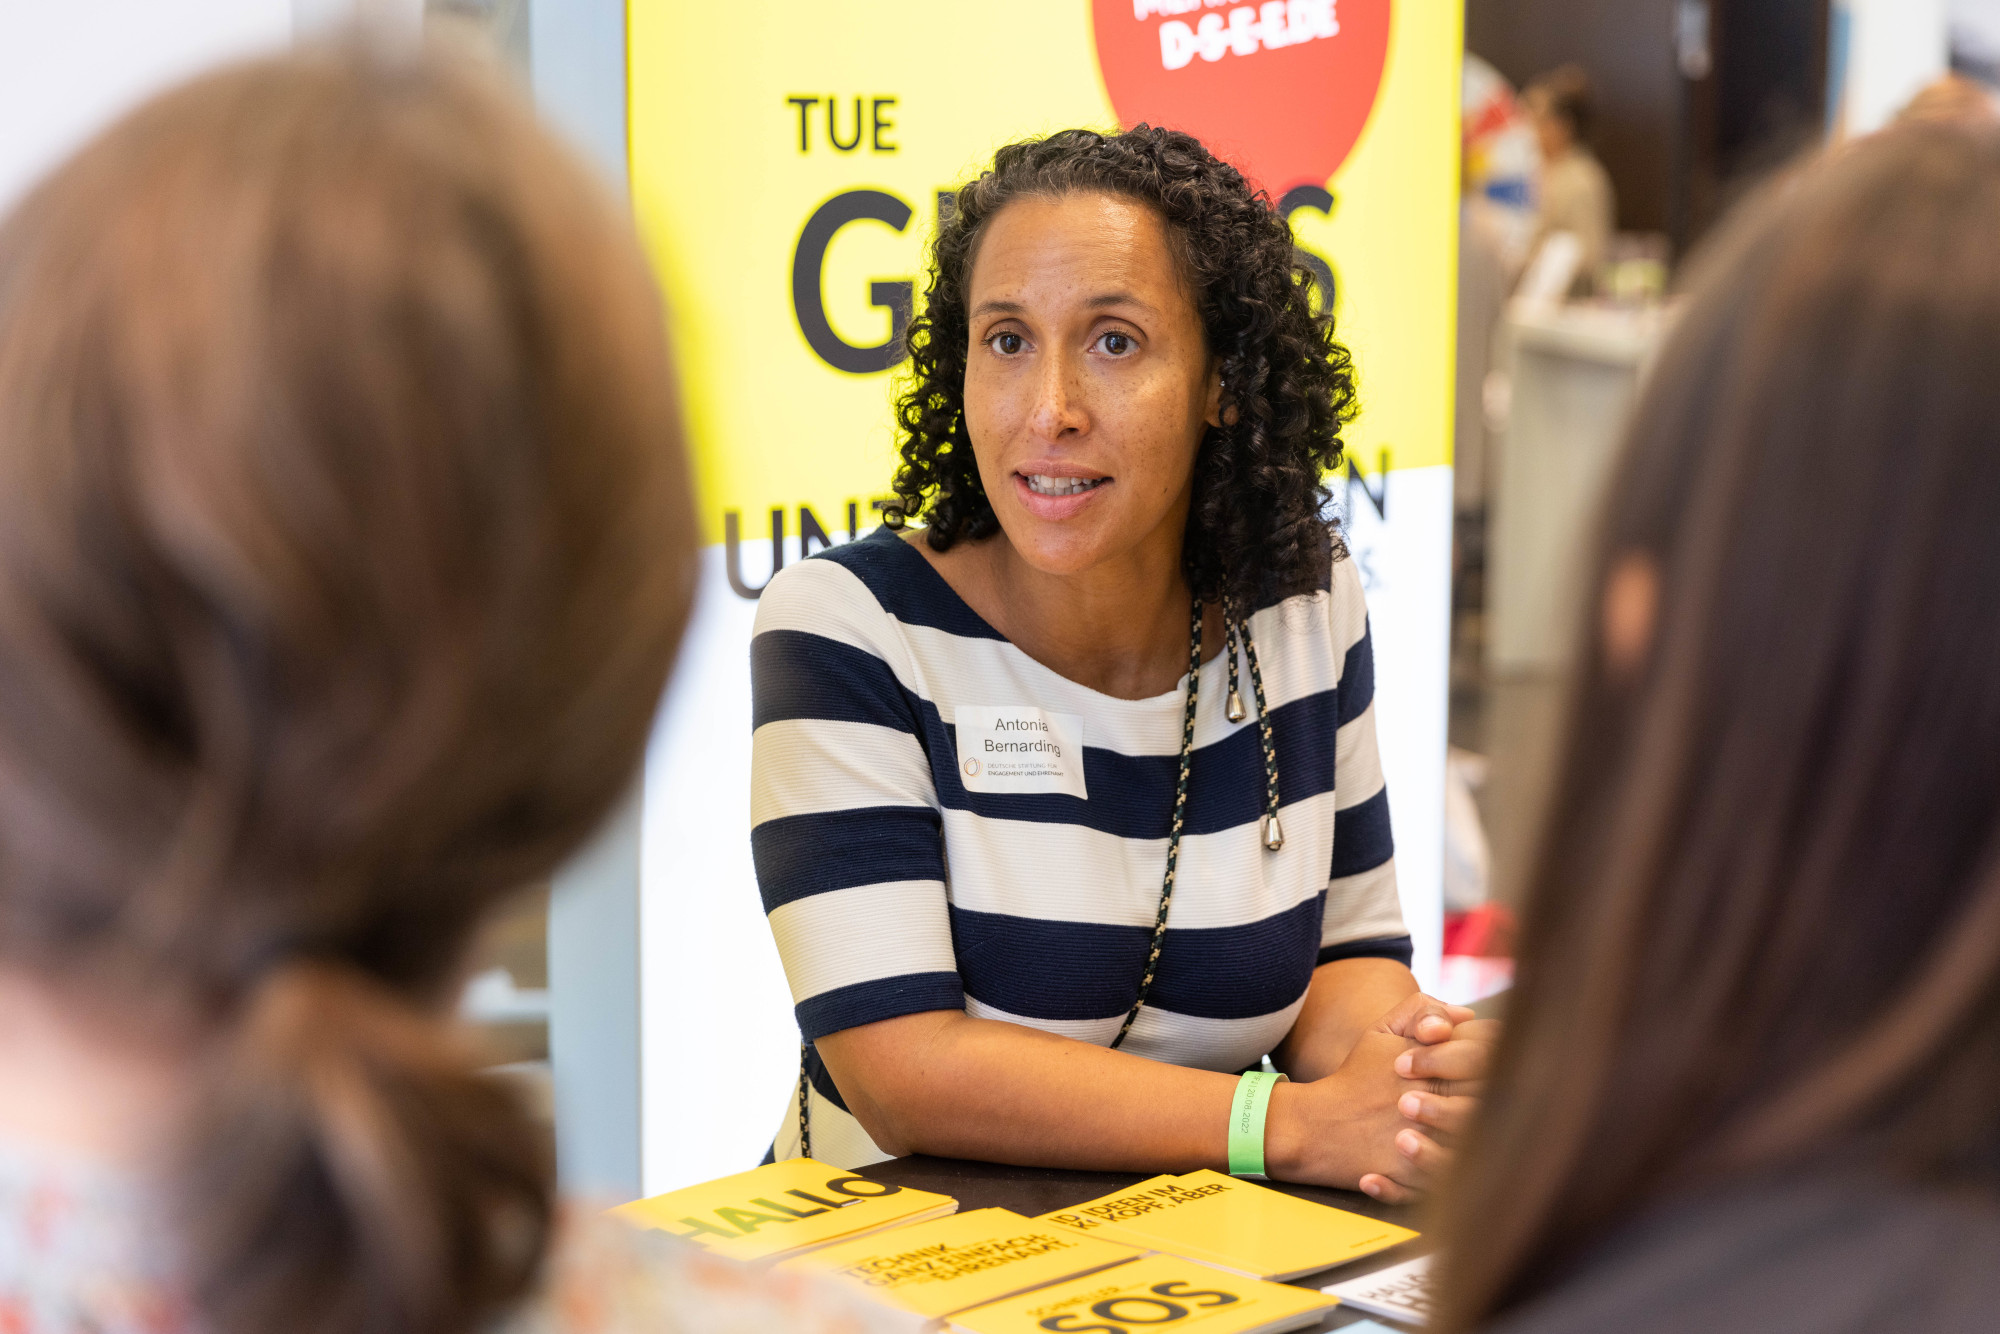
(1088, 381)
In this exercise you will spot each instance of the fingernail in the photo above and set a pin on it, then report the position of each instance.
(1409, 1143)
(1406, 1064)
(1410, 1105)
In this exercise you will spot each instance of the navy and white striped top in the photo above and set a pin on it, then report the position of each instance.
(892, 890)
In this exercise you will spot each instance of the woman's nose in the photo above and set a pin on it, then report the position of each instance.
(1058, 409)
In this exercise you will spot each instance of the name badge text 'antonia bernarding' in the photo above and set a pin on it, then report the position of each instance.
(1017, 749)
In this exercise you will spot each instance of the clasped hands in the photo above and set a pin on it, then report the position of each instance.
(1385, 1120)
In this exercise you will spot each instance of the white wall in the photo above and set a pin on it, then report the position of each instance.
(1893, 49)
(69, 66)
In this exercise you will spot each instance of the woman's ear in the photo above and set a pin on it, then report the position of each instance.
(1221, 412)
(1631, 609)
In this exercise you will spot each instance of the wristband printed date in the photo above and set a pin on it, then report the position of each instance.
(1246, 1122)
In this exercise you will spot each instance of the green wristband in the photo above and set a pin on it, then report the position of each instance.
(1246, 1122)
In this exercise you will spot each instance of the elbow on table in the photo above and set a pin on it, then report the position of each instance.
(883, 1078)
(889, 1135)
(894, 1117)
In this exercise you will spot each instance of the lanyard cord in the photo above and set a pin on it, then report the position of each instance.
(805, 1106)
(1273, 835)
(1174, 831)
(1271, 832)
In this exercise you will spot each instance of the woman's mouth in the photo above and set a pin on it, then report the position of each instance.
(1053, 491)
(1042, 484)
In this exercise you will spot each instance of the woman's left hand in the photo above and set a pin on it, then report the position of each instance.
(1450, 1064)
(1454, 1057)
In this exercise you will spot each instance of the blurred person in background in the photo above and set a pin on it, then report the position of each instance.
(1751, 1077)
(345, 543)
(1575, 194)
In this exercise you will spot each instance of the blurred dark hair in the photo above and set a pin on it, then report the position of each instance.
(1567, 94)
(344, 546)
(1764, 925)
(1257, 528)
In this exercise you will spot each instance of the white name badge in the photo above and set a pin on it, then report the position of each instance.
(1014, 749)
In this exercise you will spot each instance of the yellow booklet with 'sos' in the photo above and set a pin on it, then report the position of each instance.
(781, 1209)
(947, 1265)
(1158, 1290)
(1234, 1224)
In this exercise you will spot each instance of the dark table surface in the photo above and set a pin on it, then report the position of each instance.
(1040, 1190)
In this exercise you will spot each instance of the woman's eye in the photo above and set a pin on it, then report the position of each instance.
(1006, 344)
(1117, 344)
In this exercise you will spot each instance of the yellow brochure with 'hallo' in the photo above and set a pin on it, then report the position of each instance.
(949, 1264)
(1156, 1291)
(782, 1209)
(1236, 1224)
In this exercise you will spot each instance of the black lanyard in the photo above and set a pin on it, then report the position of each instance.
(1272, 832)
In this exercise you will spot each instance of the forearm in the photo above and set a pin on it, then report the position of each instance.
(1346, 998)
(947, 1084)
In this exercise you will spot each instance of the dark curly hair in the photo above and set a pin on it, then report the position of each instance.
(1257, 529)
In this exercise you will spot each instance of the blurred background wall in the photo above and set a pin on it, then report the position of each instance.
(1697, 97)
(68, 66)
(1693, 104)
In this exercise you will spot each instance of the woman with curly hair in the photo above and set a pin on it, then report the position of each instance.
(1067, 806)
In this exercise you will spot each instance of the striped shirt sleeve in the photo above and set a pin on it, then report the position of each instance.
(846, 831)
(1363, 915)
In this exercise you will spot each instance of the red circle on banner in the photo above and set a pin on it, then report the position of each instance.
(1281, 88)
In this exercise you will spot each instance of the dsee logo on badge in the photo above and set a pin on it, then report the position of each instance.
(1019, 750)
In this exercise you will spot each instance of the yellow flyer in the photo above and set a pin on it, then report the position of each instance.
(782, 1209)
(983, 1255)
(1158, 1290)
(1238, 1225)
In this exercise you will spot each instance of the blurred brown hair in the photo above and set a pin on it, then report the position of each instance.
(1764, 928)
(344, 547)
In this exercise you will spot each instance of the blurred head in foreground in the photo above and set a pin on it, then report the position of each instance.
(344, 547)
(1763, 936)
